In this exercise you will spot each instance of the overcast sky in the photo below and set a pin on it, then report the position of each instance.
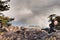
(33, 11)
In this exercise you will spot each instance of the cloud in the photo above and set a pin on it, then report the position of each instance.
(33, 11)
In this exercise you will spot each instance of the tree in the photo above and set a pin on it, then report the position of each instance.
(4, 7)
(51, 25)
(5, 20)
(57, 18)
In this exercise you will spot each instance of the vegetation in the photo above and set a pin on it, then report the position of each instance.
(4, 21)
(3, 5)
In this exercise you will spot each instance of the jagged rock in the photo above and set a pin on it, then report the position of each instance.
(26, 35)
(31, 34)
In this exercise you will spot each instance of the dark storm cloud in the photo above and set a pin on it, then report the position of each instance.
(33, 11)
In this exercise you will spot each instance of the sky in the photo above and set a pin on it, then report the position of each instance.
(32, 12)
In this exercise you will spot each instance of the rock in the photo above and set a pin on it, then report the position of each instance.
(31, 34)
